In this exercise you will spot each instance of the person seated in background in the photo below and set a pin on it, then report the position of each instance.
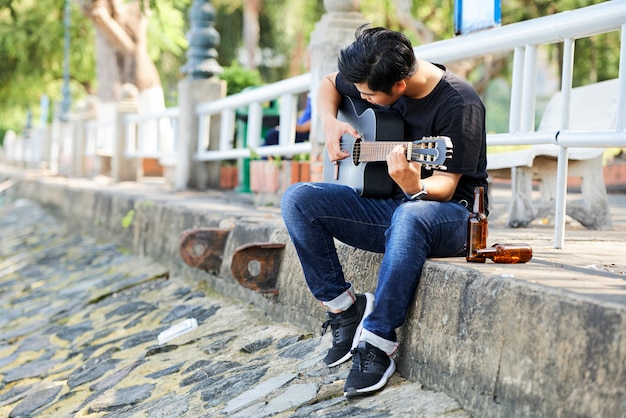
(303, 127)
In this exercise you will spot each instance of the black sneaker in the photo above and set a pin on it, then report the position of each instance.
(346, 327)
(371, 368)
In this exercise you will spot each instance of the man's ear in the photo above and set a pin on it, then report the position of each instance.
(399, 87)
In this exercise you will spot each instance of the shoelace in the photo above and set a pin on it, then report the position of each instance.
(357, 358)
(362, 363)
(331, 322)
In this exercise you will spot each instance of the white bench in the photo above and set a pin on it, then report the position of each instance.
(593, 108)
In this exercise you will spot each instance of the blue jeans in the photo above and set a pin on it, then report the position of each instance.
(406, 232)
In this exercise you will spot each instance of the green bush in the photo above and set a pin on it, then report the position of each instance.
(239, 78)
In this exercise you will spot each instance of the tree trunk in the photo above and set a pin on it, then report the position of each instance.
(121, 46)
(251, 30)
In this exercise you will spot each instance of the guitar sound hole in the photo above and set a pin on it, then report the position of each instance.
(356, 151)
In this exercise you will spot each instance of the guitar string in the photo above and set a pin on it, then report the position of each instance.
(378, 151)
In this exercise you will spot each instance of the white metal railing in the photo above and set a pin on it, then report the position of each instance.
(100, 138)
(154, 135)
(286, 91)
(151, 135)
(27, 150)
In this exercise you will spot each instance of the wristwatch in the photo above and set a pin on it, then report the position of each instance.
(419, 195)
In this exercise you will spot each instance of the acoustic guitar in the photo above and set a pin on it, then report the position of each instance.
(365, 170)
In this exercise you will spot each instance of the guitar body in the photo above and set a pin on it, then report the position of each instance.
(368, 179)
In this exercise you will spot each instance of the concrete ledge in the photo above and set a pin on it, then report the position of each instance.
(501, 346)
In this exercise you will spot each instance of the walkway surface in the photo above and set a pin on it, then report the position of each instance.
(80, 320)
(79, 327)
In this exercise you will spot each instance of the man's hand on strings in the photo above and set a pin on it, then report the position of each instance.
(333, 131)
(407, 174)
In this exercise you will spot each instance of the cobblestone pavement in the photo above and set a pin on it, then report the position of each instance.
(79, 322)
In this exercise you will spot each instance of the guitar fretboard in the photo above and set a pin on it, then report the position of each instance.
(365, 152)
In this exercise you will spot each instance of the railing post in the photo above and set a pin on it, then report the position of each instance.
(529, 94)
(517, 89)
(560, 206)
(288, 112)
(58, 133)
(335, 28)
(122, 168)
(86, 111)
(201, 85)
(621, 107)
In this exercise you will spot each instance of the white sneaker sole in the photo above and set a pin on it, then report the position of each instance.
(379, 385)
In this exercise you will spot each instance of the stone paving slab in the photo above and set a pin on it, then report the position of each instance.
(79, 321)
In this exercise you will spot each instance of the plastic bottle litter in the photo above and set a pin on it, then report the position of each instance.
(177, 330)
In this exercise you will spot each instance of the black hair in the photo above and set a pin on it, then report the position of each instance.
(379, 57)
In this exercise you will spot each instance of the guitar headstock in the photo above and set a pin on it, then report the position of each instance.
(431, 151)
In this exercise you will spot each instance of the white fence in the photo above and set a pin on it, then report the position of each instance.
(522, 39)
(286, 91)
(152, 135)
(100, 136)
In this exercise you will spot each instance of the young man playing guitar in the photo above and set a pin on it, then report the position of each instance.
(425, 214)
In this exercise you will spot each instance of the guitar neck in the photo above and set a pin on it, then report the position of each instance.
(377, 151)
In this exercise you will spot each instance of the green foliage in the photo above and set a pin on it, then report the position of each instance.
(303, 156)
(436, 15)
(254, 155)
(229, 24)
(277, 161)
(497, 102)
(167, 44)
(283, 41)
(31, 57)
(239, 78)
(596, 57)
(129, 217)
(127, 220)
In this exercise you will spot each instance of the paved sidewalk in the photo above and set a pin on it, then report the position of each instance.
(79, 322)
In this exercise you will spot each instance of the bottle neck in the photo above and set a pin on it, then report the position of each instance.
(478, 200)
(486, 252)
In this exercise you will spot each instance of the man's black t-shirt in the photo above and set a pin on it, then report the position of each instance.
(452, 109)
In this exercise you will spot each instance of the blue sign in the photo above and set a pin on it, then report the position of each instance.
(474, 15)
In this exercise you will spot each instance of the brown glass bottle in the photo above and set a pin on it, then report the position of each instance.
(507, 253)
(477, 228)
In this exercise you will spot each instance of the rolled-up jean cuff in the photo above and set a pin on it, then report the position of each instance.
(387, 346)
(342, 302)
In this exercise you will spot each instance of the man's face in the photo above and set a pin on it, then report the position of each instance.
(378, 97)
